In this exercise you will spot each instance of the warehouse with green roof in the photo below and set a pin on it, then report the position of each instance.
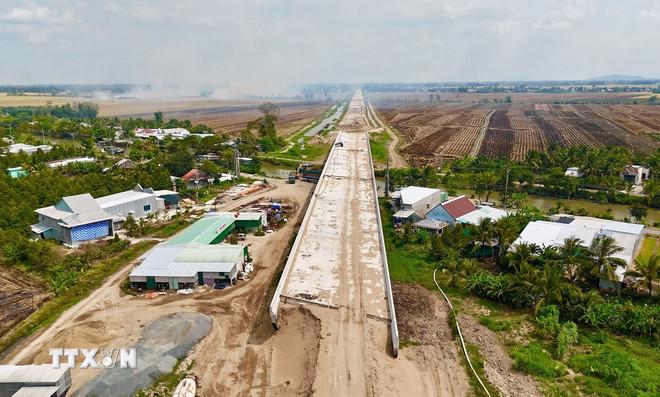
(195, 256)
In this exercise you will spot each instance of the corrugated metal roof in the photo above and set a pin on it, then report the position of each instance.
(36, 391)
(431, 224)
(480, 213)
(459, 206)
(544, 233)
(187, 260)
(403, 214)
(203, 231)
(240, 216)
(121, 198)
(413, 194)
(210, 253)
(44, 373)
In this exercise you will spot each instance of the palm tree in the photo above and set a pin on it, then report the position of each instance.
(647, 268)
(546, 283)
(504, 231)
(572, 255)
(483, 232)
(524, 253)
(458, 269)
(603, 263)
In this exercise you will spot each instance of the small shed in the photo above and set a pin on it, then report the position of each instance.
(16, 172)
(430, 225)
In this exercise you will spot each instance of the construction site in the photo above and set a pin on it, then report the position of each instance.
(335, 324)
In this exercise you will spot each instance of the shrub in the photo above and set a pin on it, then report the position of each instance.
(495, 325)
(533, 359)
(567, 337)
(548, 320)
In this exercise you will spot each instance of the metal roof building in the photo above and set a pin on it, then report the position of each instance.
(81, 217)
(169, 266)
(34, 380)
(207, 230)
(545, 234)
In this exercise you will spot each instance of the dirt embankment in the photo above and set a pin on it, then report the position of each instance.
(498, 365)
(423, 322)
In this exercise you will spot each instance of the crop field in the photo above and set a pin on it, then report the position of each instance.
(458, 126)
(18, 299)
(292, 117)
(230, 115)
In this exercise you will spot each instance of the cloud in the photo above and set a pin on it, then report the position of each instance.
(37, 15)
(566, 15)
(651, 13)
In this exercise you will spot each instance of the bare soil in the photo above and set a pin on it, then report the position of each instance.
(423, 319)
(20, 296)
(498, 365)
(448, 127)
(235, 358)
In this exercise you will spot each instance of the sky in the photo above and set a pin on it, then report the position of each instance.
(266, 43)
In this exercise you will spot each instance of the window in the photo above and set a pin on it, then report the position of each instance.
(147, 208)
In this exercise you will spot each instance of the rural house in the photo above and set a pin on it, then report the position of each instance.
(635, 174)
(627, 236)
(417, 199)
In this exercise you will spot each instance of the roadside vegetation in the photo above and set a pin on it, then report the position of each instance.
(86, 272)
(543, 303)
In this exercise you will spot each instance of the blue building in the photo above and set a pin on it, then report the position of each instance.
(74, 219)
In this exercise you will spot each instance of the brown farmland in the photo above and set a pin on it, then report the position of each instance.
(19, 297)
(457, 126)
(230, 115)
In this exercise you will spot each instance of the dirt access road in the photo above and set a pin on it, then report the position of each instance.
(237, 344)
(397, 161)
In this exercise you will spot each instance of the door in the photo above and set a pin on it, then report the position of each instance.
(151, 282)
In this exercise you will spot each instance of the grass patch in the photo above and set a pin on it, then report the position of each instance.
(408, 343)
(535, 360)
(614, 366)
(379, 143)
(90, 280)
(171, 228)
(648, 247)
(495, 325)
(478, 364)
(409, 263)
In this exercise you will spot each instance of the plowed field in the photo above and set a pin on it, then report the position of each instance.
(453, 126)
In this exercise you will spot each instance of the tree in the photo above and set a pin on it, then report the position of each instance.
(483, 232)
(524, 253)
(602, 263)
(131, 226)
(638, 212)
(504, 231)
(517, 199)
(647, 268)
(546, 283)
(572, 255)
(458, 269)
(158, 118)
(210, 168)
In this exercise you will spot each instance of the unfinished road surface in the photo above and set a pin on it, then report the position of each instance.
(337, 269)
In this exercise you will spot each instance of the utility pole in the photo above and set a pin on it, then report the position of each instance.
(237, 161)
(387, 177)
(506, 188)
(442, 151)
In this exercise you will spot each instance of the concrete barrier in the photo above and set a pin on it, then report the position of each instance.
(394, 329)
(275, 302)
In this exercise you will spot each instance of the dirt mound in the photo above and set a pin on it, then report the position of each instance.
(422, 317)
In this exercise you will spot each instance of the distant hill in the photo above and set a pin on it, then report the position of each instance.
(617, 77)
